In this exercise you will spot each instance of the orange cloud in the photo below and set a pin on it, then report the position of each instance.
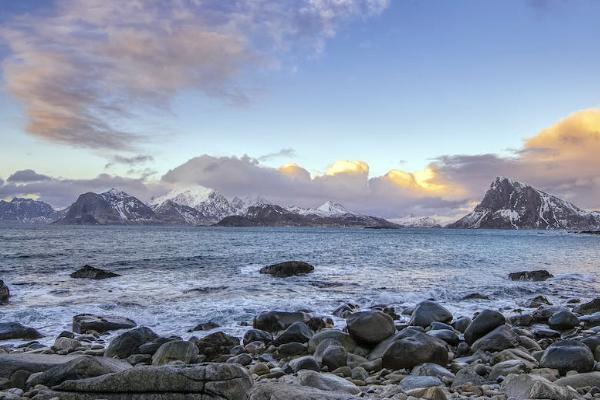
(351, 167)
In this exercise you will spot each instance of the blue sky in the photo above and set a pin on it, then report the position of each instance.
(396, 89)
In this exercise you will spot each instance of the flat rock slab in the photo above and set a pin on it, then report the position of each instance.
(89, 272)
(285, 391)
(288, 268)
(83, 323)
(168, 382)
(9, 363)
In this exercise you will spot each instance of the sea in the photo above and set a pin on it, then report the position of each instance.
(172, 278)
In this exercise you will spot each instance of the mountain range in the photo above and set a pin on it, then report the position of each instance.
(507, 204)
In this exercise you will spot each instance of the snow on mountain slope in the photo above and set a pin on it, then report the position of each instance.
(417, 222)
(187, 196)
(327, 209)
(27, 211)
(509, 204)
(211, 206)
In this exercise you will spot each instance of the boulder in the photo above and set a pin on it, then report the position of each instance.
(205, 326)
(274, 321)
(446, 335)
(568, 355)
(538, 301)
(128, 343)
(332, 334)
(563, 320)
(283, 391)
(242, 359)
(345, 309)
(468, 376)
(329, 382)
(370, 327)
(306, 362)
(429, 369)
(590, 307)
(508, 367)
(256, 335)
(66, 345)
(17, 367)
(287, 269)
(499, 339)
(461, 324)
(4, 292)
(149, 348)
(590, 320)
(291, 349)
(578, 381)
(485, 322)
(297, 332)
(176, 350)
(206, 381)
(216, 344)
(89, 272)
(83, 323)
(535, 387)
(79, 368)
(334, 356)
(412, 382)
(413, 348)
(538, 275)
(427, 312)
(15, 330)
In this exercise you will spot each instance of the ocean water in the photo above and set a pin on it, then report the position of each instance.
(175, 277)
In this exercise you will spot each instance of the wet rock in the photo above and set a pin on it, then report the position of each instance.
(128, 343)
(414, 382)
(332, 334)
(485, 322)
(590, 307)
(205, 326)
(306, 362)
(427, 312)
(541, 332)
(521, 319)
(83, 323)
(413, 348)
(287, 269)
(334, 356)
(590, 320)
(515, 354)
(329, 382)
(370, 327)
(4, 292)
(292, 349)
(220, 381)
(79, 368)
(446, 335)
(568, 355)
(14, 330)
(274, 321)
(499, 339)
(476, 296)
(319, 322)
(297, 332)
(153, 345)
(535, 387)
(508, 367)
(346, 309)
(256, 335)
(216, 344)
(66, 345)
(242, 359)
(461, 324)
(563, 320)
(176, 350)
(538, 301)
(539, 275)
(89, 272)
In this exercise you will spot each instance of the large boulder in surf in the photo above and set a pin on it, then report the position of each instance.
(427, 312)
(568, 355)
(274, 321)
(590, 307)
(4, 292)
(89, 272)
(536, 276)
(216, 344)
(175, 350)
(411, 348)
(83, 323)
(128, 343)
(370, 327)
(287, 269)
(298, 332)
(501, 338)
(485, 322)
(563, 320)
(15, 330)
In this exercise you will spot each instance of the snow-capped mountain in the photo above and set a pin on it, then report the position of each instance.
(111, 207)
(417, 222)
(27, 211)
(327, 209)
(195, 205)
(510, 204)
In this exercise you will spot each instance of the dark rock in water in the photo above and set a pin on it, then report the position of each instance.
(539, 275)
(538, 301)
(521, 319)
(485, 322)
(499, 339)
(370, 327)
(206, 289)
(589, 307)
(461, 324)
(563, 320)
(297, 332)
(543, 313)
(411, 348)
(216, 344)
(149, 348)
(4, 292)
(205, 326)
(476, 296)
(568, 355)
(318, 322)
(541, 332)
(89, 272)
(427, 312)
(346, 309)
(80, 368)
(446, 335)
(83, 323)
(590, 320)
(14, 330)
(206, 381)
(288, 268)
(273, 321)
(256, 335)
(129, 342)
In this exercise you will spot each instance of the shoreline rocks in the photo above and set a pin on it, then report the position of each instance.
(288, 268)
(536, 276)
(89, 272)
(4, 293)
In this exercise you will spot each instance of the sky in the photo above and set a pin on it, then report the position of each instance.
(392, 107)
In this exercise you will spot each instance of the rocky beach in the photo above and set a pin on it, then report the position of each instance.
(543, 351)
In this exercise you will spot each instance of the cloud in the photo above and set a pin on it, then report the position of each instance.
(133, 160)
(283, 153)
(27, 175)
(88, 69)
